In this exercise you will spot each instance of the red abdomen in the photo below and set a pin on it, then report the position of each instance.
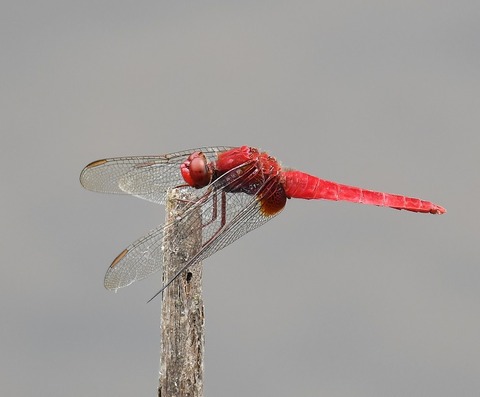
(300, 185)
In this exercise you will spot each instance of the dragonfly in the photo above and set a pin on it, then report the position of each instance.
(235, 190)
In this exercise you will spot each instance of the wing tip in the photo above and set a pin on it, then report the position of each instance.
(84, 174)
(118, 258)
(96, 163)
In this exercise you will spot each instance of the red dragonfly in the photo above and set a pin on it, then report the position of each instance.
(246, 186)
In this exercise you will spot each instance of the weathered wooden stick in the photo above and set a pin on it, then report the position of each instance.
(182, 321)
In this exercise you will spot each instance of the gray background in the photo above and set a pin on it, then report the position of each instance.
(328, 299)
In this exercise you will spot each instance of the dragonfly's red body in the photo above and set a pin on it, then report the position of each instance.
(294, 184)
(237, 190)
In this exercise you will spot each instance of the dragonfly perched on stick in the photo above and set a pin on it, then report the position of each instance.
(236, 189)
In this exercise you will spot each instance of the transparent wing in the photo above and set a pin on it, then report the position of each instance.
(146, 177)
(225, 217)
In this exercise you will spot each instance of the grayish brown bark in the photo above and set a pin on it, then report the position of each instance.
(182, 322)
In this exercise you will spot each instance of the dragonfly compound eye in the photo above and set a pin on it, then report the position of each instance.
(195, 170)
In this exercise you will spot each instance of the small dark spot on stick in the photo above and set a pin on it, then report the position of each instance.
(189, 276)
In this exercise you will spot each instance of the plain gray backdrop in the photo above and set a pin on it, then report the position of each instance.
(328, 299)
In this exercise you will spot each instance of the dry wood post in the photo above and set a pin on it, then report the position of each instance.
(182, 319)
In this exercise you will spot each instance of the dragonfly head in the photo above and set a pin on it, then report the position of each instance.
(196, 170)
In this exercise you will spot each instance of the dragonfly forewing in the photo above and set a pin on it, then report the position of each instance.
(146, 177)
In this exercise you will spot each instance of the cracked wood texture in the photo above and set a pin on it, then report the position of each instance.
(182, 322)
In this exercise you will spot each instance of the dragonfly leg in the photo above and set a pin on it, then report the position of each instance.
(223, 210)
